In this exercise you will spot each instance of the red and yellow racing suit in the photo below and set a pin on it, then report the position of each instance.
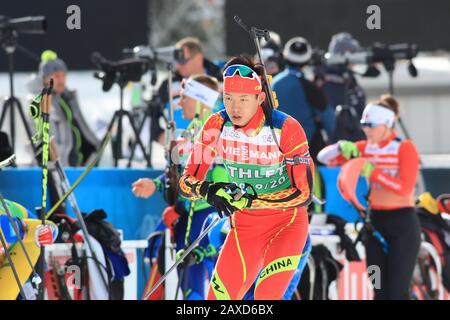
(396, 167)
(270, 235)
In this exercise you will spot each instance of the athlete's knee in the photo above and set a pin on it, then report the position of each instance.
(274, 279)
(292, 285)
(217, 289)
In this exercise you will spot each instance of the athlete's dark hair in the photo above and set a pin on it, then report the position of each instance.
(248, 61)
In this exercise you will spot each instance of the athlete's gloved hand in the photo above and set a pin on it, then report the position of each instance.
(367, 170)
(210, 251)
(199, 254)
(224, 196)
(196, 256)
(188, 261)
(348, 149)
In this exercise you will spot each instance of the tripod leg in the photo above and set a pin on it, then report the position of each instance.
(25, 124)
(133, 146)
(12, 125)
(108, 131)
(9, 105)
(5, 108)
(118, 141)
(138, 139)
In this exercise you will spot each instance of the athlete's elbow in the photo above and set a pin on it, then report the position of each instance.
(305, 198)
(406, 192)
(325, 155)
(321, 156)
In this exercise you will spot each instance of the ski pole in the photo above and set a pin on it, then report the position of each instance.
(81, 177)
(13, 267)
(45, 117)
(54, 156)
(367, 224)
(183, 256)
(371, 227)
(45, 106)
(318, 201)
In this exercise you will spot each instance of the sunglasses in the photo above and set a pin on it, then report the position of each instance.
(244, 72)
(369, 125)
(185, 60)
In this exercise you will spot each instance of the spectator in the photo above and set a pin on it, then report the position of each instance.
(76, 142)
(194, 63)
(301, 98)
(342, 89)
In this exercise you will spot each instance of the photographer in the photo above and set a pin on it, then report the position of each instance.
(301, 98)
(272, 53)
(194, 63)
(75, 141)
(342, 89)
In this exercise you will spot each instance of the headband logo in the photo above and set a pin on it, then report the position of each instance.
(236, 85)
(241, 79)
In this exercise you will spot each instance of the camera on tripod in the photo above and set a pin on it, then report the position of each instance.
(169, 54)
(9, 30)
(120, 72)
(30, 25)
(155, 108)
(377, 53)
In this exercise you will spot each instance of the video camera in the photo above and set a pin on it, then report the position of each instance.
(120, 72)
(377, 53)
(168, 55)
(10, 27)
(31, 25)
(165, 54)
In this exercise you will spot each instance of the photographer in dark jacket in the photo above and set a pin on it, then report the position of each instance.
(342, 89)
(301, 98)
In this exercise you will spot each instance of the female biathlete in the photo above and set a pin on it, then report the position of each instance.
(392, 172)
(269, 224)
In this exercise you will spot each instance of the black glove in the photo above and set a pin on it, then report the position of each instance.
(226, 197)
(196, 256)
